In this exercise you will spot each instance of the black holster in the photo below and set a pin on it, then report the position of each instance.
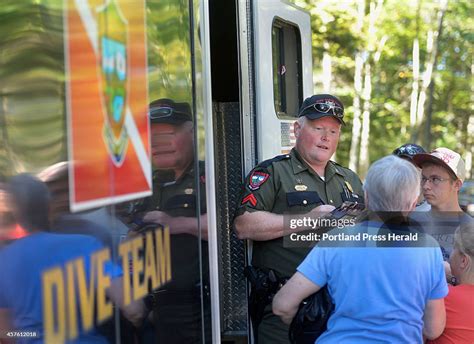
(264, 285)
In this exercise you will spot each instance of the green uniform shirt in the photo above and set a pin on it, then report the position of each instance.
(178, 198)
(287, 185)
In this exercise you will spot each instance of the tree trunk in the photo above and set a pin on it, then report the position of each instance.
(426, 79)
(359, 65)
(327, 69)
(426, 141)
(470, 130)
(356, 125)
(470, 145)
(376, 49)
(364, 142)
(432, 50)
(416, 79)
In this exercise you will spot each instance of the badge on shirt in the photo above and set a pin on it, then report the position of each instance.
(349, 186)
(301, 187)
(188, 191)
(257, 179)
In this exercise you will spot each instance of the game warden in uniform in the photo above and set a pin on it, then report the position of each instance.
(304, 180)
(177, 305)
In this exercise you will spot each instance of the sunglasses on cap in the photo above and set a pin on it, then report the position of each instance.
(408, 150)
(324, 107)
(164, 112)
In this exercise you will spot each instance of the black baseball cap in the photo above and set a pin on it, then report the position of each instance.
(168, 111)
(322, 105)
(408, 150)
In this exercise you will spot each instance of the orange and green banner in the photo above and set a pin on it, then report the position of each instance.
(106, 76)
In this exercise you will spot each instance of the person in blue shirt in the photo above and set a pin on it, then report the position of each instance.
(24, 262)
(382, 293)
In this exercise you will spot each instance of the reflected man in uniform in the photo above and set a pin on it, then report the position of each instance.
(175, 203)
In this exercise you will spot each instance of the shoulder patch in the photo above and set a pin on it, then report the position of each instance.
(268, 162)
(256, 179)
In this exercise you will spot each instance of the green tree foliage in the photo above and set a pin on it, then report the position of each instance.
(32, 85)
(402, 21)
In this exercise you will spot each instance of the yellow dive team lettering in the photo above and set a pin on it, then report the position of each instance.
(69, 288)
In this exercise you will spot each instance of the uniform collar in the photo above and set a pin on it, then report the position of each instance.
(189, 171)
(299, 165)
(297, 162)
(331, 169)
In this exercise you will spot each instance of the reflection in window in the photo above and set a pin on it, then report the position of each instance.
(169, 54)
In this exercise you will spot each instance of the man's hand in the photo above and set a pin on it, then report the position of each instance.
(158, 217)
(322, 210)
(175, 224)
(263, 225)
(179, 224)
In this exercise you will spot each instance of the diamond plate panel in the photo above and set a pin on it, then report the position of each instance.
(232, 250)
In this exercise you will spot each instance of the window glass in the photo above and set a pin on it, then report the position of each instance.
(150, 251)
(286, 65)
